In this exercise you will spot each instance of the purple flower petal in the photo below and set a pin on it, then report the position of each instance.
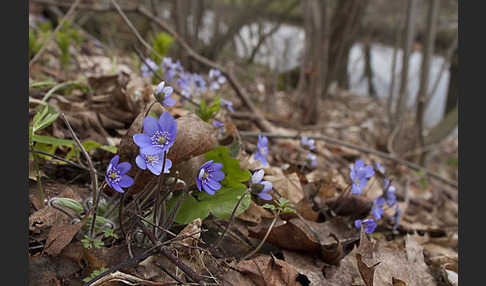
(150, 125)
(114, 160)
(140, 162)
(150, 150)
(214, 184)
(117, 188)
(265, 196)
(218, 175)
(142, 140)
(169, 101)
(257, 176)
(267, 186)
(217, 166)
(125, 181)
(355, 189)
(156, 169)
(124, 167)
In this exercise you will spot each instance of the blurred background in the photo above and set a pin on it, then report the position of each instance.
(299, 57)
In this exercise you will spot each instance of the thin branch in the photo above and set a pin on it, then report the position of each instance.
(61, 159)
(264, 238)
(230, 222)
(92, 172)
(359, 148)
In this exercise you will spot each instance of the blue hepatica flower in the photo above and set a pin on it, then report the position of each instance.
(307, 143)
(369, 225)
(256, 180)
(115, 174)
(159, 135)
(199, 83)
(216, 79)
(219, 125)
(377, 208)
(147, 68)
(154, 163)
(311, 159)
(209, 177)
(184, 82)
(167, 91)
(262, 150)
(228, 104)
(360, 173)
(390, 193)
(170, 69)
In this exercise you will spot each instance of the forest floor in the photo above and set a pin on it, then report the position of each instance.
(104, 98)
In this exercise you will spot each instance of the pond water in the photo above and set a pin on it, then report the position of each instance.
(282, 51)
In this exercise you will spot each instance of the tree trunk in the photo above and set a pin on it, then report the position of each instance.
(368, 70)
(181, 14)
(312, 84)
(451, 102)
(345, 24)
(407, 49)
(427, 54)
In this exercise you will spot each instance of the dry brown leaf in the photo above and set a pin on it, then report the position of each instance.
(254, 214)
(398, 282)
(262, 270)
(367, 273)
(45, 218)
(306, 265)
(404, 262)
(309, 236)
(61, 235)
(286, 185)
(194, 137)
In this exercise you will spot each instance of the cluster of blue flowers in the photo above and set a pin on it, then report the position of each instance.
(158, 137)
(360, 174)
(309, 145)
(190, 84)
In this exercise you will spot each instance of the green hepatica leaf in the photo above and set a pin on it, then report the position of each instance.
(234, 175)
(220, 204)
(189, 210)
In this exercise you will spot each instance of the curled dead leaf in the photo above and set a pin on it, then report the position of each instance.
(262, 270)
(61, 235)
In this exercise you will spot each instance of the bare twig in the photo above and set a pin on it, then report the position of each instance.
(230, 222)
(92, 173)
(188, 271)
(64, 19)
(264, 238)
(359, 148)
(61, 159)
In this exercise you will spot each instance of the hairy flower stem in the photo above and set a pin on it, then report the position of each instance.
(95, 211)
(159, 207)
(264, 238)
